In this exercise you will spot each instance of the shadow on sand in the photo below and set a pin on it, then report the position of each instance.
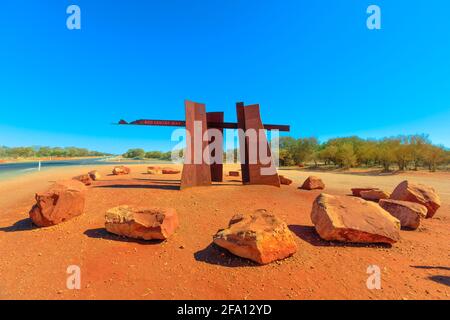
(216, 255)
(445, 280)
(141, 186)
(21, 225)
(432, 267)
(101, 233)
(309, 234)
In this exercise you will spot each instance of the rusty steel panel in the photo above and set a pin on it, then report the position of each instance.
(249, 118)
(216, 168)
(196, 172)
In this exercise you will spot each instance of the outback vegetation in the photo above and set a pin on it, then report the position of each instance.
(44, 152)
(406, 152)
(142, 154)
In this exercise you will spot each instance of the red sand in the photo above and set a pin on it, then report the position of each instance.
(33, 261)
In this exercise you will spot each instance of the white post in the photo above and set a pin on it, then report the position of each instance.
(39, 165)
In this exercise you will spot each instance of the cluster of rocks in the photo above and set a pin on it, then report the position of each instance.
(370, 216)
(373, 215)
(87, 179)
(409, 202)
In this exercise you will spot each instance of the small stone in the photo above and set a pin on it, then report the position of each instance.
(313, 183)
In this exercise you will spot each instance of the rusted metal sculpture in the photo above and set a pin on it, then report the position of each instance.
(255, 155)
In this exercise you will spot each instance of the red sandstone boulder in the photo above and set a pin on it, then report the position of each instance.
(260, 236)
(121, 170)
(61, 202)
(142, 223)
(94, 174)
(352, 219)
(284, 180)
(312, 183)
(374, 195)
(170, 171)
(84, 178)
(233, 173)
(409, 213)
(418, 193)
(357, 191)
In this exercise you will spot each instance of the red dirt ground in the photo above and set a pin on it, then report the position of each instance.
(33, 261)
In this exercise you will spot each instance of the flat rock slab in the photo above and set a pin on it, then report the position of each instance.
(409, 213)
(63, 201)
(418, 193)
(349, 219)
(313, 183)
(142, 223)
(357, 191)
(170, 171)
(260, 236)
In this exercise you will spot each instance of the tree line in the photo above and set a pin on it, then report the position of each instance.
(405, 152)
(402, 152)
(139, 153)
(44, 152)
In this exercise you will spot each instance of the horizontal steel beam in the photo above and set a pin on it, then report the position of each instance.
(180, 123)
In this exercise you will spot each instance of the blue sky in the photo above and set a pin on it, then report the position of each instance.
(311, 64)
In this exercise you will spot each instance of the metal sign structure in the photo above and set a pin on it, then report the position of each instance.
(202, 173)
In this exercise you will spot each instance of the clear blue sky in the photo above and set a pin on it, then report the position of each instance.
(311, 64)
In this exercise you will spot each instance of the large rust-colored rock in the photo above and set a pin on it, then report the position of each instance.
(409, 213)
(84, 178)
(121, 170)
(260, 236)
(418, 193)
(142, 223)
(313, 183)
(350, 219)
(95, 175)
(374, 195)
(357, 191)
(284, 180)
(170, 171)
(61, 202)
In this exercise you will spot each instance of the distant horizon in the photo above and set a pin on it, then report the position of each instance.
(167, 150)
